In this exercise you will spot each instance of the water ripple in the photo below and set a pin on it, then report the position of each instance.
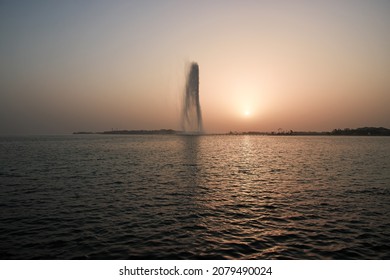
(210, 197)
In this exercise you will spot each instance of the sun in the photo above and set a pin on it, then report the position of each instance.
(247, 113)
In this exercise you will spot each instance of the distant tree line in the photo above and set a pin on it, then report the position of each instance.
(362, 131)
(160, 131)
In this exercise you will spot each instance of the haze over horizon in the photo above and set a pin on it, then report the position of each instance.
(263, 65)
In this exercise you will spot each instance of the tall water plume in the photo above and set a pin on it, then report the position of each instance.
(192, 116)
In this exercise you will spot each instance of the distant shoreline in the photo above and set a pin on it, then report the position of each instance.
(362, 131)
(142, 132)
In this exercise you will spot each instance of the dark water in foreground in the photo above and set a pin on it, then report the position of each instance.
(173, 197)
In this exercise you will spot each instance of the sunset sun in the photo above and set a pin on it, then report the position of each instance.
(247, 113)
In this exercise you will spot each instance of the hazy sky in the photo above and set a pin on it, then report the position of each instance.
(96, 65)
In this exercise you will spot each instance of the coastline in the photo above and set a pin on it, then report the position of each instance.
(362, 131)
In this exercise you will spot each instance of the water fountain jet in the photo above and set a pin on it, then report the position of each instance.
(192, 116)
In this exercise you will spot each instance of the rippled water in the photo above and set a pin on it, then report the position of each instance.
(194, 197)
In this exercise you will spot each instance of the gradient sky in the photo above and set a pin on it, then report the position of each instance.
(96, 65)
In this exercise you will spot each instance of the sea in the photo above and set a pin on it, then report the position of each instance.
(194, 197)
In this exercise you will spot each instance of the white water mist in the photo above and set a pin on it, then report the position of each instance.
(192, 116)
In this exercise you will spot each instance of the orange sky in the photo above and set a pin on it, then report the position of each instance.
(264, 65)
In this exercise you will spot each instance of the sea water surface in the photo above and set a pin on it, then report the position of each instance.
(194, 197)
